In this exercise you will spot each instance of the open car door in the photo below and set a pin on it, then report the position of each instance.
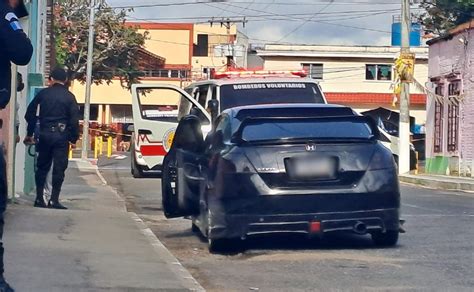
(157, 108)
(184, 170)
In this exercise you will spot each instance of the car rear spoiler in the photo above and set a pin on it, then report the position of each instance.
(237, 137)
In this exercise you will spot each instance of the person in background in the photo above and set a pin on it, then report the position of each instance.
(57, 111)
(14, 47)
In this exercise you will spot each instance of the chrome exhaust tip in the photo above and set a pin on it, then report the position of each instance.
(360, 228)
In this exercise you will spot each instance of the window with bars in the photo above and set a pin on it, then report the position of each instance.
(315, 71)
(454, 89)
(378, 72)
(438, 121)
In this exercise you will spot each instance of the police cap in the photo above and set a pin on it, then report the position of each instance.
(59, 74)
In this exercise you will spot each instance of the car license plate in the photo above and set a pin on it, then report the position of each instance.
(311, 167)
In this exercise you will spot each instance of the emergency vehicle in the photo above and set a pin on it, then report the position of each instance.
(153, 129)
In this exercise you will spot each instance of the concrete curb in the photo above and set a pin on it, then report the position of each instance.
(186, 278)
(438, 184)
(160, 248)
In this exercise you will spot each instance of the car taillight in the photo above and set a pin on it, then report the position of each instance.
(382, 160)
(315, 227)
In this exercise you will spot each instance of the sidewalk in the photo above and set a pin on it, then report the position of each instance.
(440, 181)
(96, 245)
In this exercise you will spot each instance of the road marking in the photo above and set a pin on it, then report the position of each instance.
(422, 208)
(114, 168)
(438, 215)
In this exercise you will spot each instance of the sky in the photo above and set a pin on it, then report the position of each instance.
(323, 22)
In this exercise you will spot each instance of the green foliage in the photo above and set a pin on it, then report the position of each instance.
(116, 45)
(442, 15)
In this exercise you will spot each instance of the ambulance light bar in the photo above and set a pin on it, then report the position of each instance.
(259, 73)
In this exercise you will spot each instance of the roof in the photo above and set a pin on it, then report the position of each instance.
(150, 60)
(324, 51)
(453, 32)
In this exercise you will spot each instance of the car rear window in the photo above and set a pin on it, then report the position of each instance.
(311, 129)
(236, 95)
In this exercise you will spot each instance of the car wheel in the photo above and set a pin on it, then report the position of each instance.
(385, 239)
(222, 245)
(137, 172)
(195, 228)
(217, 245)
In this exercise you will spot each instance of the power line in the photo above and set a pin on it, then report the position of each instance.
(305, 22)
(321, 2)
(256, 16)
(323, 22)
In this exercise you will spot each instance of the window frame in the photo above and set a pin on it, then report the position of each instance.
(310, 71)
(376, 77)
(438, 121)
(454, 89)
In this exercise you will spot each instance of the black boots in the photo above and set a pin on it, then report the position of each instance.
(40, 203)
(56, 205)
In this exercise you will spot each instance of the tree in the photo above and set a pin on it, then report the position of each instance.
(442, 15)
(116, 45)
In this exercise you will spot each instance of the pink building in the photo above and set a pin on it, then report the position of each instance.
(450, 116)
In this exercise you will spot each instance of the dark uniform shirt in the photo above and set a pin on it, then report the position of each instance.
(14, 47)
(55, 104)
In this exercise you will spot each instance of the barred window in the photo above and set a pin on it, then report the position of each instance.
(315, 71)
(438, 122)
(454, 89)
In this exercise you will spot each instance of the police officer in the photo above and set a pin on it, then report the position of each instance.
(57, 111)
(14, 47)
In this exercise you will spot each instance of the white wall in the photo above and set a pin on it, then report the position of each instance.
(346, 75)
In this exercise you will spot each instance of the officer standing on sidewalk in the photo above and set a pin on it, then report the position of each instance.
(14, 47)
(57, 111)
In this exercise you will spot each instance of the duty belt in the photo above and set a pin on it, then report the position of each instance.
(59, 127)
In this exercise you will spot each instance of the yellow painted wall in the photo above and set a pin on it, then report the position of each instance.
(169, 44)
(110, 94)
(173, 45)
(217, 35)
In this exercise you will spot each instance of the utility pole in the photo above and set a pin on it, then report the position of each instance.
(227, 23)
(87, 102)
(404, 128)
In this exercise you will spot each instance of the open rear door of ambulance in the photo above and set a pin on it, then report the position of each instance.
(157, 109)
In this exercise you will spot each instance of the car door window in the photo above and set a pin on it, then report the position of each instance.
(201, 94)
(223, 126)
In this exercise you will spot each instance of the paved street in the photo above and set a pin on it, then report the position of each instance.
(436, 253)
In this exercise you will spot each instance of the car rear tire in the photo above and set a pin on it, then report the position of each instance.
(195, 228)
(385, 239)
(137, 171)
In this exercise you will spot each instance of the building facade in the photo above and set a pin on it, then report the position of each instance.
(174, 53)
(450, 116)
(356, 76)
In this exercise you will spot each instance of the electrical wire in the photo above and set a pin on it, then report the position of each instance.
(298, 27)
(287, 3)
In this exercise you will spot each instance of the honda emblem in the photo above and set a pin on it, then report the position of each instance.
(310, 147)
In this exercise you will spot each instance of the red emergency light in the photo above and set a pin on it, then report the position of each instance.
(259, 73)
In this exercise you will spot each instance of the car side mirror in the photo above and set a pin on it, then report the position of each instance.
(213, 106)
(131, 128)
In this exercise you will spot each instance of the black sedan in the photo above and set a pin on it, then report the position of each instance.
(310, 169)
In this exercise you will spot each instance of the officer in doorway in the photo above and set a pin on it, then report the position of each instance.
(57, 111)
(15, 47)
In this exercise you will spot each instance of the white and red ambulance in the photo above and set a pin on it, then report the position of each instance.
(157, 108)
